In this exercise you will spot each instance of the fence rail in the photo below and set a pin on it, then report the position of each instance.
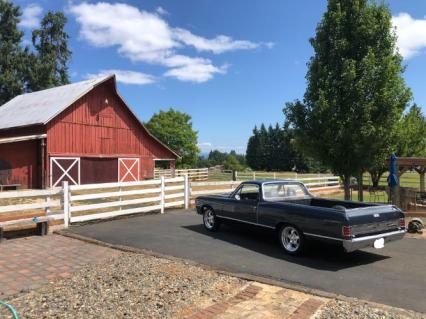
(81, 203)
(314, 184)
(30, 206)
(194, 174)
(89, 202)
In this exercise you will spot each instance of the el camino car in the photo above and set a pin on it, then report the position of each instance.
(289, 208)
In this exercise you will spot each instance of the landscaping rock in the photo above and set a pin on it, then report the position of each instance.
(130, 286)
(337, 309)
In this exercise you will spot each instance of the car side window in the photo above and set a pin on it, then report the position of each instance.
(248, 192)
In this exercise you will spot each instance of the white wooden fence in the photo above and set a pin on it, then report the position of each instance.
(80, 203)
(314, 184)
(27, 206)
(194, 174)
(100, 201)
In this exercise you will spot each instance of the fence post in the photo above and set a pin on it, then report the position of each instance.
(66, 201)
(162, 189)
(275, 175)
(254, 175)
(186, 190)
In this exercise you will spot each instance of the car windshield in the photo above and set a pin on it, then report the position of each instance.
(283, 190)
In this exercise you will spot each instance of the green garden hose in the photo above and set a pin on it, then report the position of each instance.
(10, 308)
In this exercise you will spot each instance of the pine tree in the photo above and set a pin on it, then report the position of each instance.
(12, 55)
(50, 63)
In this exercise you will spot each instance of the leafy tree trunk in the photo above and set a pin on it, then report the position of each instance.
(360, 187)
(346, 186)
(376, 174)
(375, 178)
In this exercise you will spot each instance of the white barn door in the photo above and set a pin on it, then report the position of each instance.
(128, 169)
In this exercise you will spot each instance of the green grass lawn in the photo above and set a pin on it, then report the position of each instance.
(408, 179)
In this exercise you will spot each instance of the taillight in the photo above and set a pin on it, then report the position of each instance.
(402, 222)
(346, 231)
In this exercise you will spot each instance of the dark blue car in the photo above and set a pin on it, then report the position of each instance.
(287, 207)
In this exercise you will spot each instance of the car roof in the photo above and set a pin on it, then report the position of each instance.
(262, 181)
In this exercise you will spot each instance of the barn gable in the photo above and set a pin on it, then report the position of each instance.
(100, 122)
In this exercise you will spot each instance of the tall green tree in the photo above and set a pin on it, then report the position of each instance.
(411, 133)
(253, 150)
(217, 157)
(355, 94)
(409, 141)
(13, 57)
(273, 149)
(50, 63)
(232, 163)
(174, 129)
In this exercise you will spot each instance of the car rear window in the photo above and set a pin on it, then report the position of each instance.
(283, 191)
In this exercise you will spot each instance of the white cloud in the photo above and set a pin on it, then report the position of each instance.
(411, 34)
(127, 77)
(147, 37)
(196, 72)
(31, 16)
(161, 11)
(217, 45)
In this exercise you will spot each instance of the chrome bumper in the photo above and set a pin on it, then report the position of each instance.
(368, 241)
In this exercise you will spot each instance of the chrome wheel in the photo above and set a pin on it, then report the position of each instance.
(290, 239)
(209, 219)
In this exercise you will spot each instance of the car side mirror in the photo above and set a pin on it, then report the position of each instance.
(237, 197)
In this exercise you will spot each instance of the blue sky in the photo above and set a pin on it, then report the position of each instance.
(229, 64)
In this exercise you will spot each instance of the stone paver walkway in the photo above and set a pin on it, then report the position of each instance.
(27, 263)
(260, 301)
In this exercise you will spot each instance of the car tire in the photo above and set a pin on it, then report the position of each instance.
(291, 239)
(210, 221)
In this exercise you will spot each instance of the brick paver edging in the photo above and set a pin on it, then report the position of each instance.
(307, 309)
(220, 307)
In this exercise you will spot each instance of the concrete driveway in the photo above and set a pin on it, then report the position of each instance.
(394, 275)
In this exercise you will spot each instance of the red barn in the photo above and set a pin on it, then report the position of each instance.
(81, 133)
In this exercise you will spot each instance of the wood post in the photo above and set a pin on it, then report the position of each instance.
(234, 175)
(66, 203)
(360, 188)
(422, 181)
(162, 194)
(43, 162)
(186, 191)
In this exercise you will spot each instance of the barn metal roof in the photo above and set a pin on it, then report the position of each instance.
(42, 106)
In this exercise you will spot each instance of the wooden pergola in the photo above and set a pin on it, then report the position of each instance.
(418, 164)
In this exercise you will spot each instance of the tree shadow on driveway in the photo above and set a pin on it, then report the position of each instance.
(318, 255)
